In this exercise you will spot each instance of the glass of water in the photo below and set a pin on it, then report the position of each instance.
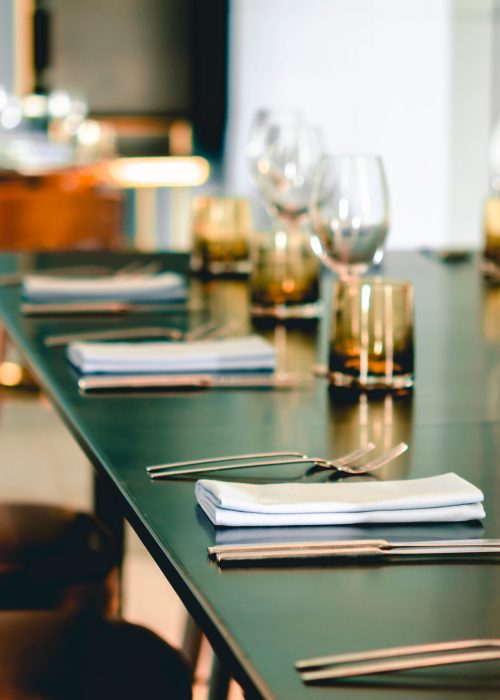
(349, 212)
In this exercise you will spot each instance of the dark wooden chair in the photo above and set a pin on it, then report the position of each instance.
(55, 557)
(58, 655)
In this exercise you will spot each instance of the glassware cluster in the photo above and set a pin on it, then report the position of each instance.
(332, 208)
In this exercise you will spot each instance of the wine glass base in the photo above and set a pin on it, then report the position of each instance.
(218, 268)
(287, 311)
(371, 383)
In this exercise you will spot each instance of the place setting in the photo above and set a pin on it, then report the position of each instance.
(133, 289)
(232, 362)
(206, 354)
(444, 500)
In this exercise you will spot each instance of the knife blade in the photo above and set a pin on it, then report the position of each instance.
(352, 553)
(187, 381)
(348, 544)
(108, 307)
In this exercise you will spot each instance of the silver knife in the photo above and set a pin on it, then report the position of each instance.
(187, 381)
(353, 553)
(347, 544)
(100, 307)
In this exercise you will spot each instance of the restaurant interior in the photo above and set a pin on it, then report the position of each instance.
(233, 234)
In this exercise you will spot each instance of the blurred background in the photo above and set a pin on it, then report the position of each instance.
(414, 82)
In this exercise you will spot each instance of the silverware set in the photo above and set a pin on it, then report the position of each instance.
(205, 331)
(73, 308)
(340, 666)
(350, 549)
(345, 464)
(144, 382)
(131, 269)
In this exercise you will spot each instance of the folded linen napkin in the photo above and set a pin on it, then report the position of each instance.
(137, 287)
(443, 498)
(246, 353)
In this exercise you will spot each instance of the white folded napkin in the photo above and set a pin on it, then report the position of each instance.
(163, 286)
(443, 498)
(246, 353)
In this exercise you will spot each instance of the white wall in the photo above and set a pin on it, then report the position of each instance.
(7, 45)
(409, 80)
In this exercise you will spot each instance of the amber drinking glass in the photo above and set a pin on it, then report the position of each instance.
(284, 281)
(221, 235)
(371, 345)
(490, 263)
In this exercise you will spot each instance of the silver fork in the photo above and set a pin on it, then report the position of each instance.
(342, 464)
(207, 330)
(138, 269)
(53, 341)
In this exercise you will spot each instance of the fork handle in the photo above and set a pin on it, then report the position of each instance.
(115, 334)
(398, 665)
(394, 652)
(165, 473)
(230, 458)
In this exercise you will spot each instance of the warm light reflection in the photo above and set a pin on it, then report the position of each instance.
(59, 104)
(11, 115)
(11, 373)
(89, 132)
(34, 106)
(158, 172)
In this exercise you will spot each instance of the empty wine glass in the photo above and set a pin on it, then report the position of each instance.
(284, 278)
(256, 143)
(286, 168)
(349, 212)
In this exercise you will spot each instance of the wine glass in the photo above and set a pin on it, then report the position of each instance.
(256, 143)
(285, 276)
(286, 167)
(349, 212)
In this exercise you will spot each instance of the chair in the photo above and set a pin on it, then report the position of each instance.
(53, 557)
(60, 635)
(55, 655)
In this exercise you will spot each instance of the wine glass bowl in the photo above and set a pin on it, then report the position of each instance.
(257, 136)
(349, 212)
(286, 166)
(256, 141)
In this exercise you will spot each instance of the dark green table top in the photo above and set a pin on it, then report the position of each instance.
(261, 620)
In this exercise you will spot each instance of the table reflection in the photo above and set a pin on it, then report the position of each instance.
(384, 420)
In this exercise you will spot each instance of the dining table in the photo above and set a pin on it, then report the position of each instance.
(260, 619)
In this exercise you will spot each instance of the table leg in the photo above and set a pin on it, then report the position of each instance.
(219, 681)
(107, 509)
(191, 642)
